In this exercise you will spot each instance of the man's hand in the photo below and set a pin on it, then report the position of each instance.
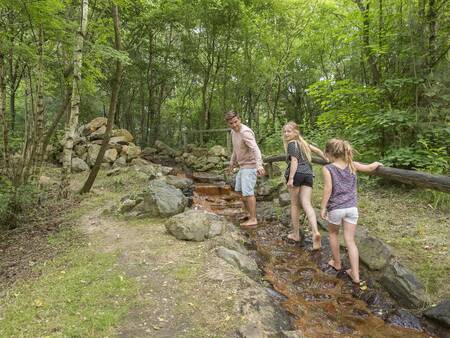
(261, 171)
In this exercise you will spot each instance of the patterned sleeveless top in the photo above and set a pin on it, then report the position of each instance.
(303, 167)
(343, 193)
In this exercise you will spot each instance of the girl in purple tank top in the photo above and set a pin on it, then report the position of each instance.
(339, 203)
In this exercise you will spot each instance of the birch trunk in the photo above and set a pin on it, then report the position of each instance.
(75, 100)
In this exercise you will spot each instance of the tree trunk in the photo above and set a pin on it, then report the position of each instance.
(3, 121)
(112, 107)
(432, 18)
(75, 101)
(364, 9)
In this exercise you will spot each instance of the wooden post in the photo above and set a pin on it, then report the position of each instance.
(229, 142)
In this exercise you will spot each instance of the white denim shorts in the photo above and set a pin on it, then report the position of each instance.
(349, 215)
(246, 181)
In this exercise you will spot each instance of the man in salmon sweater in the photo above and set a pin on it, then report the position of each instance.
(247, 155)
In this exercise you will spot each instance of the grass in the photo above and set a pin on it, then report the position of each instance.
(78, 294)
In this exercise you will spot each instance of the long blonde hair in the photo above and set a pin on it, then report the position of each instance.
(340, 149)
(304, 146)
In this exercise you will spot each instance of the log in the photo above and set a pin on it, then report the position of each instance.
(417, 178)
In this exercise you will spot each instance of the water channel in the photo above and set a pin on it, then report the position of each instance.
(322, 303)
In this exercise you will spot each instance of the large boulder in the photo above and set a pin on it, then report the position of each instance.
(110, 155)
(242, 262)
(80, 150)
(132, 152)
(162, 199)
(218, 151)
(208, 177)
(404, 286)
(123, 133)
(92, 153)
(440, 313)
(120, 162)
(78, 165)
(94, 125)
(374, 253)
(118, 140)
(98, 134)
(179, 182)
(285, 199)
(195, 225)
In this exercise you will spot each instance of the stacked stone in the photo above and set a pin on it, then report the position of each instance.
(87, 143)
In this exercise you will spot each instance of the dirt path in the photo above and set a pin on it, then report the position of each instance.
(185, 290)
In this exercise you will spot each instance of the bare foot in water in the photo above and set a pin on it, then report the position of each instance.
(350, 274)
(250, 223)
(334, 266)
(294, 238)
(317, 241)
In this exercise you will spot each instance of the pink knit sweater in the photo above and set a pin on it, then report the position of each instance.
(245, 150)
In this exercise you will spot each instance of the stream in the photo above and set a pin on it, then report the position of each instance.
(321, 301)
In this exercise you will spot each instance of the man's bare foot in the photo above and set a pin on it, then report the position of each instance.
(294, 238)
(250, 223)
(243, 218)
(317, 243)
(334, 266)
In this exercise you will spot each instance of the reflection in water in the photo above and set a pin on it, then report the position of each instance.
(321, 304)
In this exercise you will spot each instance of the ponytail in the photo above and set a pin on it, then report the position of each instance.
(341, 149)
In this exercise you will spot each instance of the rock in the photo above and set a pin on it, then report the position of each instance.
(45, 181)
(403, 286)
(78, 165)
(133, 152)
(162, 199)
(125, 134)
(139, 162)
(120, 162)
(165, 149)
(110, 155)
(266, 211)
(92, 153)
(166, 170)
(195, 225)
(118, 140)
(285, 217)
(105, 166)
(242, 262)
(218, 151)
(404, 318)
(179, 182)
(114, 172)
(285, 199)
(252, 330)
(207, 177)
(264, 190)
(94, 125)
(80, 150)
(199, 152)
(213, 160)
(440, 313)
(98, 134)
(148, 152)
(292, 334)
(232, 240)
(373, 253)
(128, 205)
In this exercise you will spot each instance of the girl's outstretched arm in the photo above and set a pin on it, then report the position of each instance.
(318, 152)
(367, 168)
(327, 188)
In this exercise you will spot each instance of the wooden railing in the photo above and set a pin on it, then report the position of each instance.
(417, 178)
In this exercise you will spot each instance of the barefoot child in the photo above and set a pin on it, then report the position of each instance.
(339, 202)
(299, 178)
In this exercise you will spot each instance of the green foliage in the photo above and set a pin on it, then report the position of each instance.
(14, 201)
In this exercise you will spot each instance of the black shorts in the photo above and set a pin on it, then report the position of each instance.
(302, 179)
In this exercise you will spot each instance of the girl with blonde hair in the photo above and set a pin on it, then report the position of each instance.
(299, 178)
(339, 202)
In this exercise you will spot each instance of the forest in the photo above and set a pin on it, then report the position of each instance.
(161, 74)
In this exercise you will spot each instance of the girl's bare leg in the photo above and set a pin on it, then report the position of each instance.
(305, 198)
(353, 254)
(333, 230)
(295, 213)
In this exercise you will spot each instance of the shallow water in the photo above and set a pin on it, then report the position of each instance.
(322, 303)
